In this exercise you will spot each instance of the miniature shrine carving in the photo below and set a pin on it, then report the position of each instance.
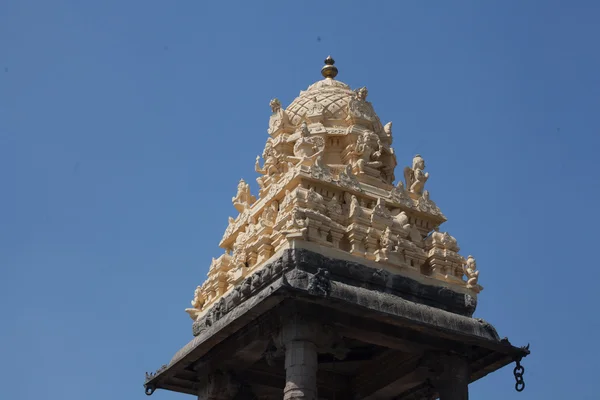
(327, 178)
(332, 260)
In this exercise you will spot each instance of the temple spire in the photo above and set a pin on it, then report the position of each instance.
(329, 70)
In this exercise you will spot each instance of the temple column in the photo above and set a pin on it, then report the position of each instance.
(299, 338)
(452, 376)
(218, 386)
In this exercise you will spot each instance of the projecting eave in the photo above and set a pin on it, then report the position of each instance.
(364, 305)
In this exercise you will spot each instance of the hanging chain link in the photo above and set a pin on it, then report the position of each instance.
(519, 371)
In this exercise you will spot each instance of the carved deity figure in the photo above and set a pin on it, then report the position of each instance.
(272, 166)
(199, 298)
(359, 107)
(287, 199)
(471, 272)
(275, 105)
(355, 209)
(296, 223)
(386, 241)
(269, 214)
(415, 177)
(271, 160)
(334, 207)
(239, 252)
(307, 147)
(368, 149)
(243, 199)
(361, 93)
(279, 117)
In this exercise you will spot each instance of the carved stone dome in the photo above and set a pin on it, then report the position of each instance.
(333, 95)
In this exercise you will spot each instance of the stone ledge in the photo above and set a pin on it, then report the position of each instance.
(348, 272)
(336, 286)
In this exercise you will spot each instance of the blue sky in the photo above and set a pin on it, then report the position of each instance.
(125, 127)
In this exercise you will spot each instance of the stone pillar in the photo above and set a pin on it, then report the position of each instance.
(218, 386)
(300, 370)
(451, 376)
(299, 337)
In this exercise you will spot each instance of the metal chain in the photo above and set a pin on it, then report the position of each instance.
(519, 371)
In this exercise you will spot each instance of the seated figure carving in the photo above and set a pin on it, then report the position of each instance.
(368, 151)
(415, 177)
(307, 148)
(471, 272)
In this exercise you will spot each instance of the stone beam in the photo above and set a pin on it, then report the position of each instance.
(218, 386)
(382, 371)
(382, 334)
(240, 350)
(450, 375)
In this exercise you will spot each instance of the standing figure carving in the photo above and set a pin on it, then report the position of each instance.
(271, 160)
(386, 241)
(415, 177)
(278, 119)
(243, 199)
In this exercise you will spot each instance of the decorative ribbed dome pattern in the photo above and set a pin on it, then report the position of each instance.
(333, 95)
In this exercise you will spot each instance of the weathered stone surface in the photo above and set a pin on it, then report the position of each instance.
(323, 273)
(361, 303)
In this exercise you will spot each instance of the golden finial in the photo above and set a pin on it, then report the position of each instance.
(329, 71)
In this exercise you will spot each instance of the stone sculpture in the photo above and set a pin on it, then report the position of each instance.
(307, 148)
(243, 199)
(368, 153)
(415, 177)
(275, 105)
(471, 272)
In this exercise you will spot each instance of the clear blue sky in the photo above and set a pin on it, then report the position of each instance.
(126, 125)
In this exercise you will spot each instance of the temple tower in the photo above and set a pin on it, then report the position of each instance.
(335, 281)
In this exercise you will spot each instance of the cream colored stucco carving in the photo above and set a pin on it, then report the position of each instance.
(327, 179)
